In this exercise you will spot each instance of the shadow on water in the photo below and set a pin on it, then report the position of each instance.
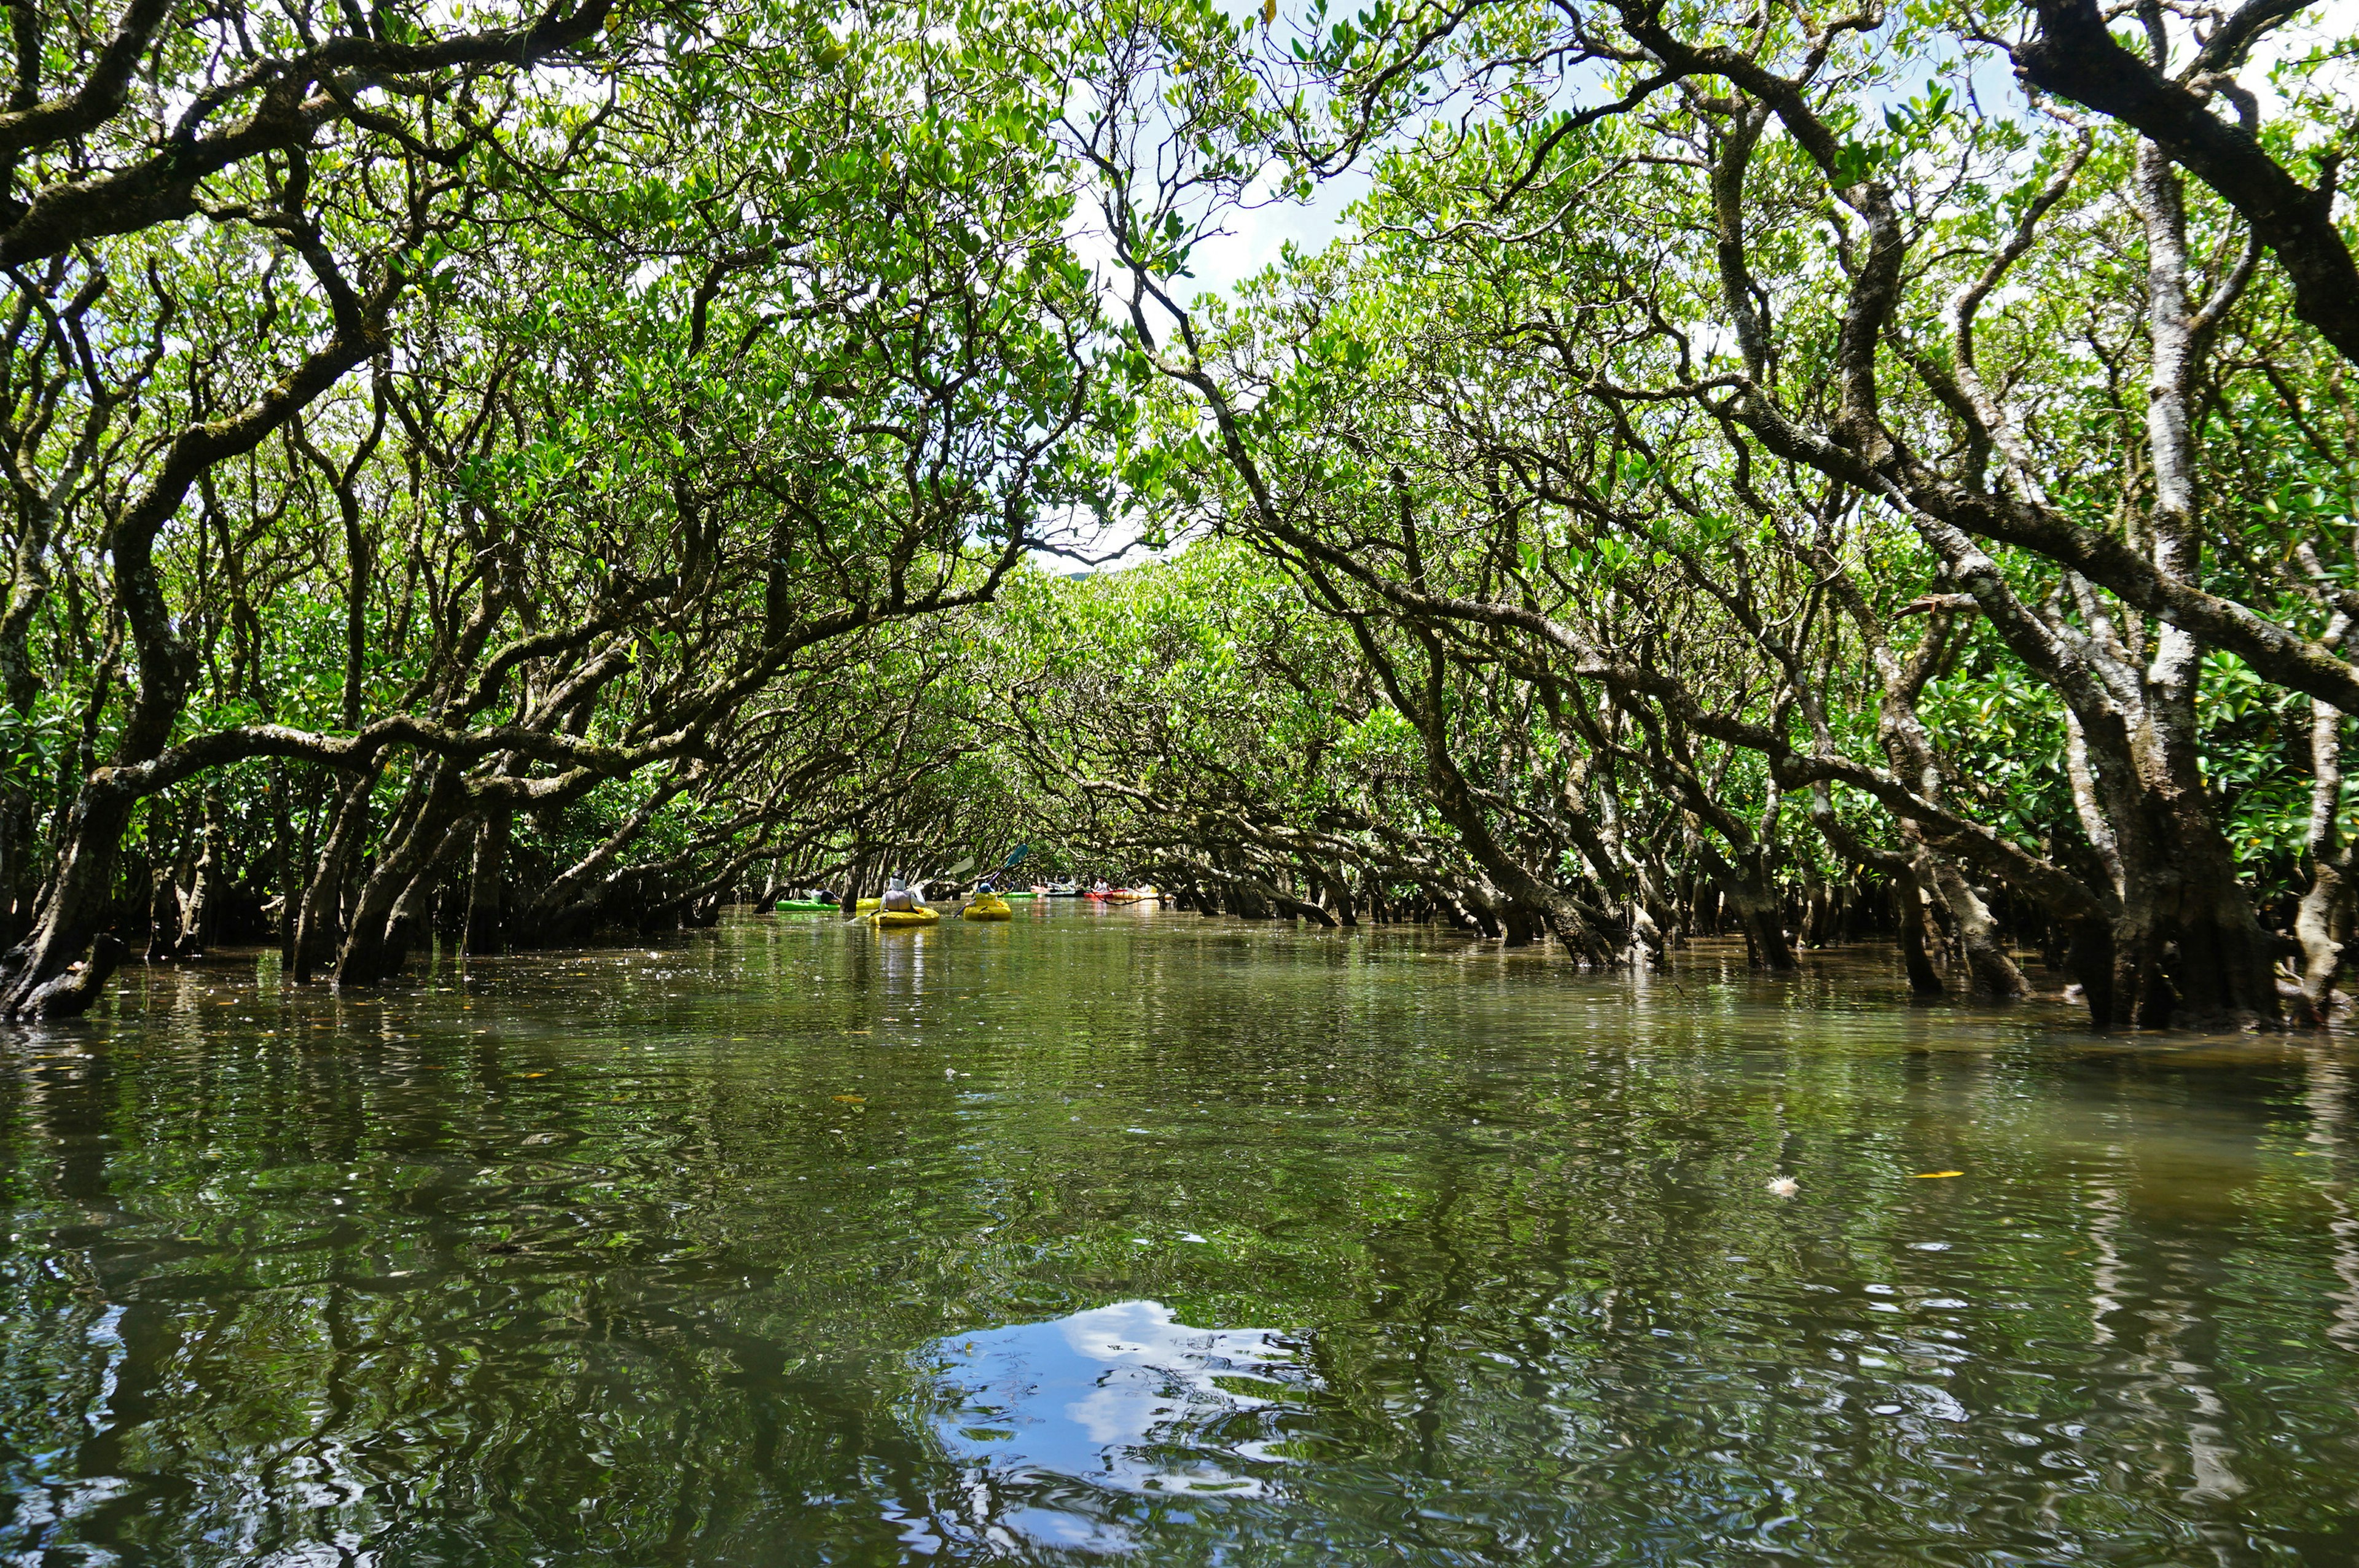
(1118, 1234)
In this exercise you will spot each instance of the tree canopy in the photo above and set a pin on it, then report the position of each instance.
(507, 475)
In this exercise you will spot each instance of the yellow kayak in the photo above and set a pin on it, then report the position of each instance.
(987, 906)
(903, 919)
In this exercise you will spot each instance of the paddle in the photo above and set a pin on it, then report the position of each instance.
(1013, 856)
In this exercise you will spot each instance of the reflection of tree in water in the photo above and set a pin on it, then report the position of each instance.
(252, 1308)
(1067, 1434)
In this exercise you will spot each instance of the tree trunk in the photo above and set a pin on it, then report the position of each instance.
(282, 848)
(1456, 802)
(1919, 940)
(2323, 926)
(1245, 901)
(320, 923)
(2089, 959)
(2323, 923)
(1646, 937)
(1760, 916)
(83, 982)
(1990, 968)
(2188, 939)
(166, 919)
(486, 882)
(409, 916)
(203, 916)
(1477, 912)
(1818, 919)
(2187, 949)
(1338, 892)
(17, 854)
(80, 900)
(374, 948)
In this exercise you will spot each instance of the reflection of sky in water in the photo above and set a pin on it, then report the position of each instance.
(1063, 1428)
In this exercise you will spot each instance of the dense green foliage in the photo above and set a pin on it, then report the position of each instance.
(1734, 472)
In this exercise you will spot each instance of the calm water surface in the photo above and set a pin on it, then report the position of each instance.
(1111, 1234)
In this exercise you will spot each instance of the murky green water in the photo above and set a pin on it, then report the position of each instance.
(1114, 1232)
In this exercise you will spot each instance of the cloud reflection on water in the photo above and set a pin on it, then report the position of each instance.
(1064, 1429)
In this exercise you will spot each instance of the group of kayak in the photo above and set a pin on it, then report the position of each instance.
(883, 914)
(1100, 894)
(902, 908)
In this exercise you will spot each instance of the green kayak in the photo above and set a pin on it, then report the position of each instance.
(807, 905)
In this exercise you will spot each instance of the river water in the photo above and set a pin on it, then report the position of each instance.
(1109, 1234)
